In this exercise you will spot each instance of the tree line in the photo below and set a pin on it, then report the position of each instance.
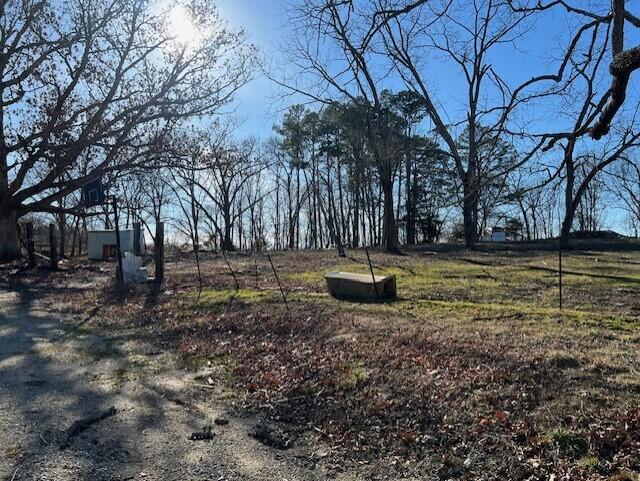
(368, 154)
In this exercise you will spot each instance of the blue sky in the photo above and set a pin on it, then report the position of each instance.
(265, 24)
(537, 53)
(262, 20)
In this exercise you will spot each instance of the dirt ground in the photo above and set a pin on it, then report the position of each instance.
(472, 373)
(52, 374)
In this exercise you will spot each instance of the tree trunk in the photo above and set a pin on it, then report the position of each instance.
(62, 233)
(565, 231)
(9, 242)
(390, 230)
(227, 242)
(526, 219)
(470, 212)
(569, 205)
(410, 204)
(355, 242)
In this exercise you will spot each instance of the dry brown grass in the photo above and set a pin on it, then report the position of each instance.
(473, 363)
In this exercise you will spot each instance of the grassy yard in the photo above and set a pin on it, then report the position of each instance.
(473, 372)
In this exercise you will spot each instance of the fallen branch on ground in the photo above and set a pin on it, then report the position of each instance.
(84, 423)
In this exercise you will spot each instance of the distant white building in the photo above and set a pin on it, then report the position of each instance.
(498, 235)
(101, 244)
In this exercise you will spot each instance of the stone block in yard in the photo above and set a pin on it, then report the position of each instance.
(347, 285)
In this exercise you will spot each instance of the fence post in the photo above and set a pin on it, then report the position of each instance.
(31, 248)
(53, 247)
(159, 254)
(119, 271)
(137, 248)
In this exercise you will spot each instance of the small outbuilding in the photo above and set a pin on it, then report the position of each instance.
(101, 244)
(498, 234)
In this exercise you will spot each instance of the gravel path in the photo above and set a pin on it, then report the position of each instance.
(52, 374)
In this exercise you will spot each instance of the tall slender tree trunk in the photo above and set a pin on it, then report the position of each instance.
(569, 206)
(410, 204)
(527, 224)
(355, 242)
(227, 242)
(390, 230)
(62, 234)
(342, 225)
(470, 210)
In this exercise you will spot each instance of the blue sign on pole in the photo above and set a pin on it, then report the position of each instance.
(93, 193)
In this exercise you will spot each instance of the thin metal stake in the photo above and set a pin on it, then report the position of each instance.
(119, 274)
(560, 268)
(284, 298)
(256, 263)
(235, 279)
(373, 277)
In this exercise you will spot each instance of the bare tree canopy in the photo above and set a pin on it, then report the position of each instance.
(90, 88)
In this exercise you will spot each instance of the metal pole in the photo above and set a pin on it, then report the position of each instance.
(119, 273)
(235, 279)
(373, 277)
(560, 267)
(284, 298)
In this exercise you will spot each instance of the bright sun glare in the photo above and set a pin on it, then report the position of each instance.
(182, 28)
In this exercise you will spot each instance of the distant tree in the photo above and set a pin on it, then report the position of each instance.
(294, 134)
(624, 183)
(495, 158)
(513, 228)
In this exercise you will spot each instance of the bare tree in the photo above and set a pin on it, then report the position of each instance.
(81, 84)
(342, 70)
(229, 168)
(625, 186)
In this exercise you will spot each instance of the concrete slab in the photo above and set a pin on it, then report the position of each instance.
(348, 285)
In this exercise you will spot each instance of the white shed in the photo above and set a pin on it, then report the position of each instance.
(498, 235)
(101, 244)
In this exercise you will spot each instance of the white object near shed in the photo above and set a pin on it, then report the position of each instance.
(101, 244)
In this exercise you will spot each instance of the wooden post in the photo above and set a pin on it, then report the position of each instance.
(31, 247)
(159, 255)
(137, 246)
(119, 273)
(53, 247)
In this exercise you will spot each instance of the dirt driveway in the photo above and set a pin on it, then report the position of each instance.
(53, 374)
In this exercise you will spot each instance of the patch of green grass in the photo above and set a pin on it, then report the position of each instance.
(354, 373)
(212, 298)
(496, 279)
(569, 443)
(590, 463)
